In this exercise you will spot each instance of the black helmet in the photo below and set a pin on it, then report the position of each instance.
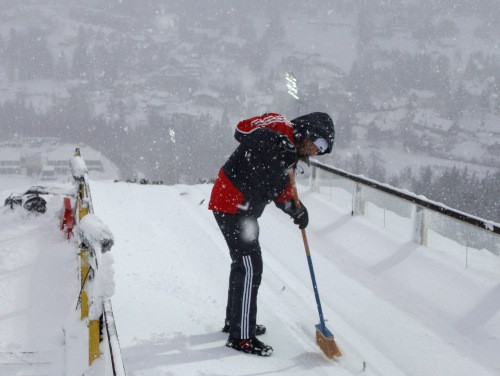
(315, 125)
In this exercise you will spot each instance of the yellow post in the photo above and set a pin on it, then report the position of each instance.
(82, 191)
(84, 269)
(94, 339)
(83, 212)
(93, 325)
(82, 209)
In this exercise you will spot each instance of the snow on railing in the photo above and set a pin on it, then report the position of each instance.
(96, 273)
(115, 355)
(421, 203)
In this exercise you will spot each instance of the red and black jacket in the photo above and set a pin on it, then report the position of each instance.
(255, 174)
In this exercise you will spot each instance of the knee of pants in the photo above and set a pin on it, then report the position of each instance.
(252, 264)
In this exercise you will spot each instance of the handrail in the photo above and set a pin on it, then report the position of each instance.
(411, 197)
(114, 345)
(84, 207)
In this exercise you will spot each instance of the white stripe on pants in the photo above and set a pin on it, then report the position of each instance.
(247, 297)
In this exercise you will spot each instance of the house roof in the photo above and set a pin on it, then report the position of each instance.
(64, 152)
(430, 119)
(10, 154)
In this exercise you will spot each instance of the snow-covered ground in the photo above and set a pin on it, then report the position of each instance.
(393, 306)
(38, 288)
(396, 308)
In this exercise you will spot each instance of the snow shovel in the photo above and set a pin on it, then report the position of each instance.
(324, 338)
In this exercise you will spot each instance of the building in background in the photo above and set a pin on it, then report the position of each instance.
(46, 158)
(10, 161)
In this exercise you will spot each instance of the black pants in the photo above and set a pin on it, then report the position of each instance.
(242, 237)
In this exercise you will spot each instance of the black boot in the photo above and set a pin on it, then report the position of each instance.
(250, 346)
(259, 329)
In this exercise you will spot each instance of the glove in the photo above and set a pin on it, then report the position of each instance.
(286, 151)
(299, 216)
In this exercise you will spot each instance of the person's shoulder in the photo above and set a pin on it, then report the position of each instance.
(278, 123)
(270, 120)
(271, 117)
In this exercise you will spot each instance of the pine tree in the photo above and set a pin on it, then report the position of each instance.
(424, 184)
(13, 53)
(62, 71)
(457, 103)
(357, 163)
(44, 63)
(3, 50)
(82, 61)
(376, 168)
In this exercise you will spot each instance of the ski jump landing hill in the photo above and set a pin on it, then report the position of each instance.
(396, 307)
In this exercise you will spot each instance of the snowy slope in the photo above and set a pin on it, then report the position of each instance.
(396, 308)
(38, 288)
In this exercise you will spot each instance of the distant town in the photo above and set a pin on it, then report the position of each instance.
(44, 158)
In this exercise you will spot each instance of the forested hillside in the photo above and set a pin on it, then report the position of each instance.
(413, 86)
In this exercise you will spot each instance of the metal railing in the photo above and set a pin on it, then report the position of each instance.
(463, 228)
(97, 312)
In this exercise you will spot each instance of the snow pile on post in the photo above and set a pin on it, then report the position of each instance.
(95, 234)
(97, 237)
(78, 167)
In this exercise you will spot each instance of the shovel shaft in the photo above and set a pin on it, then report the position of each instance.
(316, 294)
(309, 260)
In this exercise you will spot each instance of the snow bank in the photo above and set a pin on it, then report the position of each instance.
(97, 237)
